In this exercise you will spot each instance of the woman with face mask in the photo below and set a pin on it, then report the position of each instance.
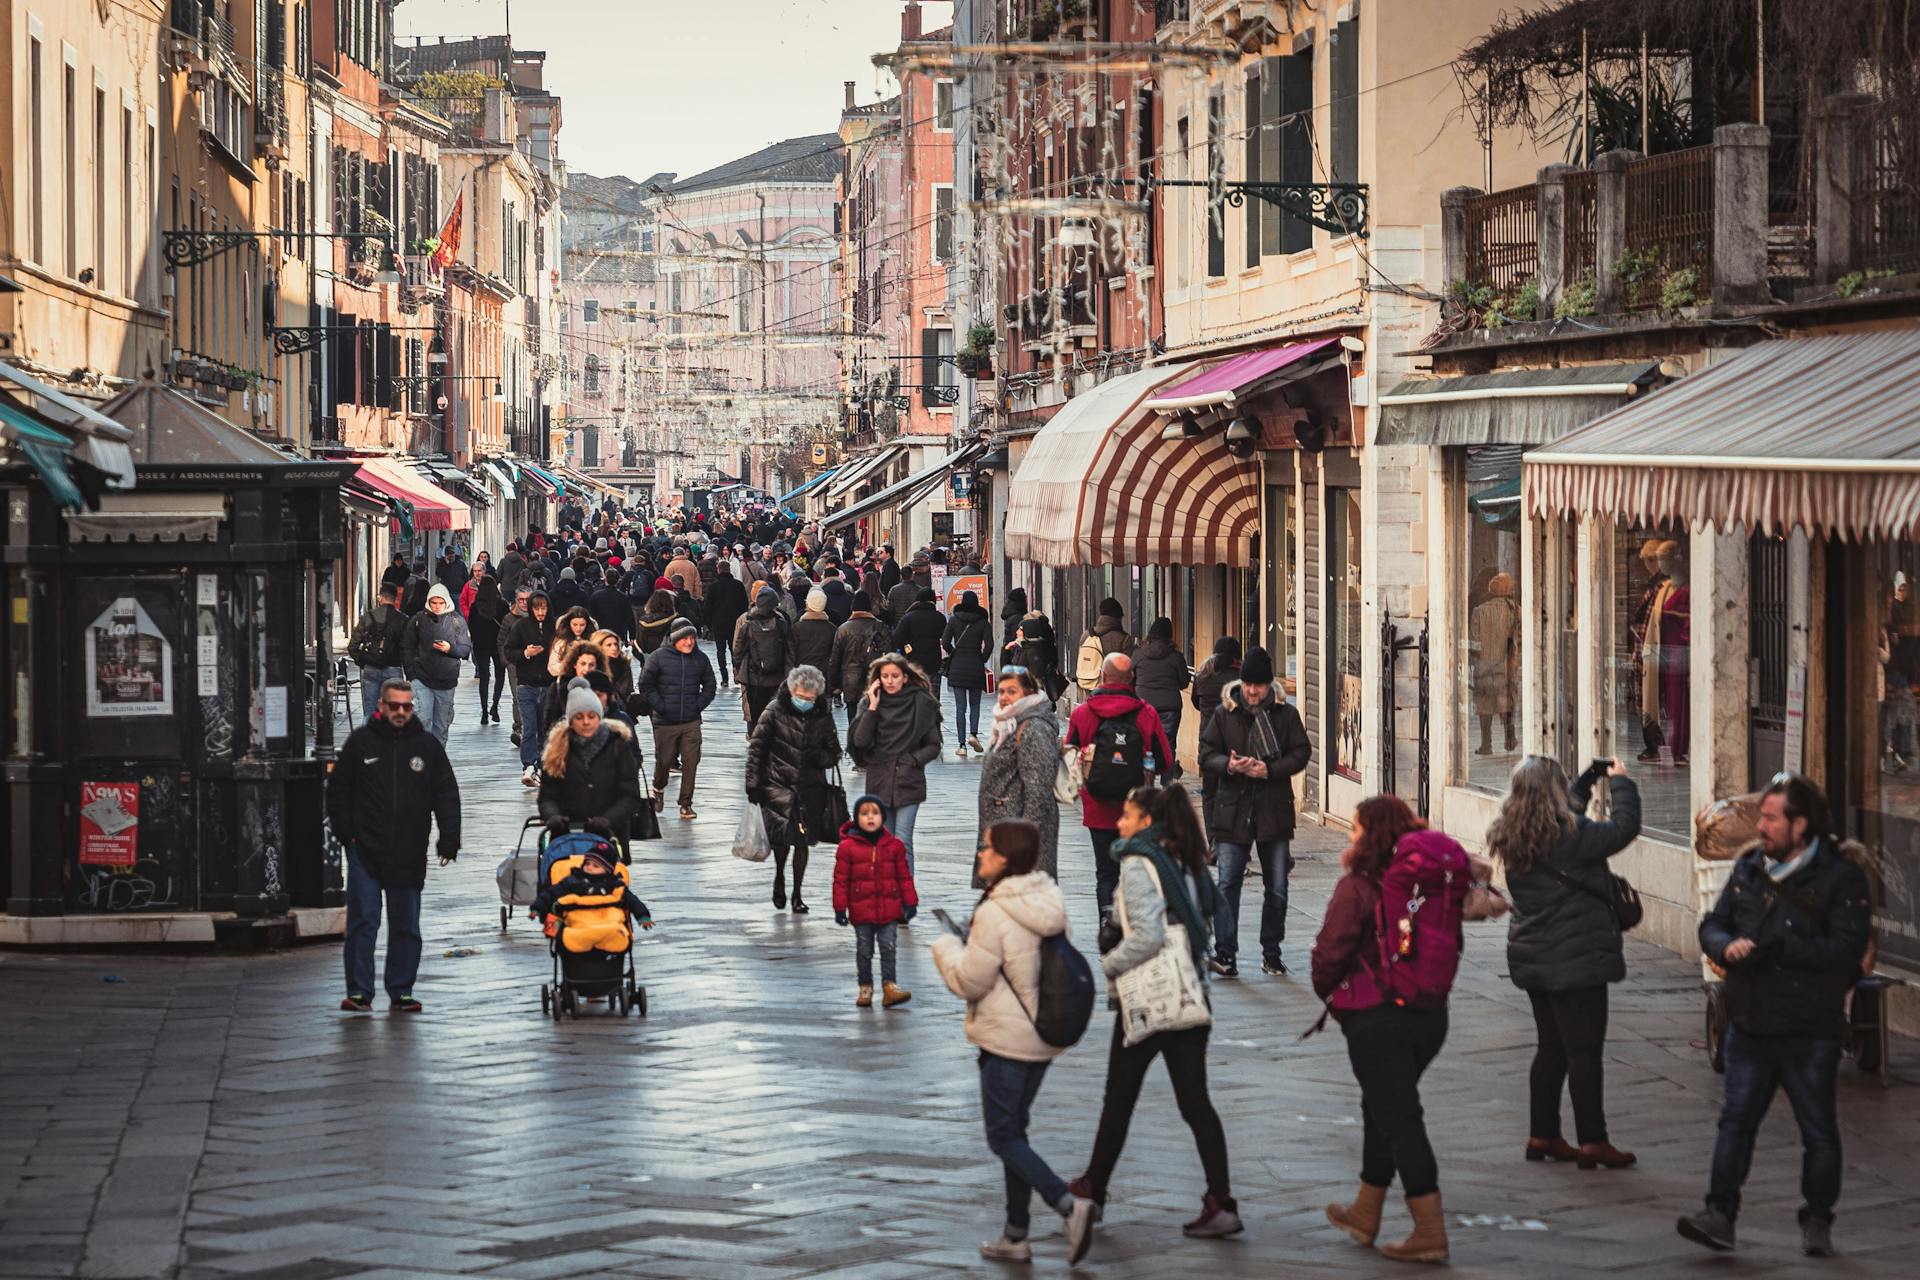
(793, 745)
(894, 735)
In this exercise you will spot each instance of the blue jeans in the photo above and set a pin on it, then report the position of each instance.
(532, 701)
(371, 678)
(363, 927)
(1106, 871)
(1007, 1090)
(966, 712)
(1230, 862)
(900, 821)
(864, 937)
(1806, 1067)
(435, 709)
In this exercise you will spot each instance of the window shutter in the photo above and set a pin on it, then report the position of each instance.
(1253, 140)
(1271, 113)
(346, 365)
(1216, 205)
(929, 368)
(1296, 142)
(1344, 74)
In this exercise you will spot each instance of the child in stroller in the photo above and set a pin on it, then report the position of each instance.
(587, 903)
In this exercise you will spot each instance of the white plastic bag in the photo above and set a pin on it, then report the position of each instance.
(1066, 776)
(750, 843)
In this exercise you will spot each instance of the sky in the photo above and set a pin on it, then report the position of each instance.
(683, 85)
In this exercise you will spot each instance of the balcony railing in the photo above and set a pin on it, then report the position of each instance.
(468, 116)
(1669, 225)
(420, 277)
(1501, 237)
(1886, 213)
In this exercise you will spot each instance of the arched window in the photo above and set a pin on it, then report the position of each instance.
(592, 375)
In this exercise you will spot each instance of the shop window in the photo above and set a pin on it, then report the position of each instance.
(1344, 689)
(1651, 670)
(1875, 747)
(1490, 623)
(1563, 705)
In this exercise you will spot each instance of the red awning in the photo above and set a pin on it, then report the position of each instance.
(1245, 375)
(433, 508)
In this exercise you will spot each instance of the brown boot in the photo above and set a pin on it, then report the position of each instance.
(1552, 1149)
(1604, 1155)
(1428, 1243)
(891, 995)
(1361, 1219)
(865, 999)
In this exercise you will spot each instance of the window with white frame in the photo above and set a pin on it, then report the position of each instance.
(943, 223)
(943, 106)
(590, 311)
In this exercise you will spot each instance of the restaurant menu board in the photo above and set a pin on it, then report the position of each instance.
(129, 663)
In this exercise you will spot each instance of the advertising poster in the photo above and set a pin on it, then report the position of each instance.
(957, 587)
(129, 663)
(960, 490)
(109, 823)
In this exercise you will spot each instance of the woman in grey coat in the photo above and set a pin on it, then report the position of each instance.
(1016, 774)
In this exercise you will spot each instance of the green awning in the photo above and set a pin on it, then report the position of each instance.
(1517, 407)
(45, 450)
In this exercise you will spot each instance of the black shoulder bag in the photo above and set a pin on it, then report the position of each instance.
(1622, 899)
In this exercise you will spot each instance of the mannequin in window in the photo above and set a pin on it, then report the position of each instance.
(1675, 633)
(1646, 649)
(1493, 633)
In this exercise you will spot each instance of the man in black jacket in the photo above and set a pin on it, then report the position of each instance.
(1790, 930)
(726, 601)
(610, 607)
(1251, 747)
(391, 781)
(918, 633)
(375, 645)
(524, 643)
(677, 684)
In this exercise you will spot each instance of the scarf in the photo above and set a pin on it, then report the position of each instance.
(590, 747)
(1262, 743)
(1006, 720)
(1779, 871)
(1173, 887)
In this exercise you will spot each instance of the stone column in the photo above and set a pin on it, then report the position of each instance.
(1453, 232)
(1609, 225)
(1550, 235)
(1740, 215)
(1841, 124)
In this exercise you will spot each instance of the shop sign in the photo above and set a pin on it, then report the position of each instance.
(109, 824)
(958, 587)
(129, 663)
(960, 490)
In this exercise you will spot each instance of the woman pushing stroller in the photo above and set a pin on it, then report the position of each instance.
(589, 776)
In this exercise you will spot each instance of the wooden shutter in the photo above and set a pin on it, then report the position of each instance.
(1216, 204)
(1296, 141)
(929, 367)
(1255, 135)
(1343, 70)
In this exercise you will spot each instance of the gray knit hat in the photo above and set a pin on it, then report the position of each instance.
(582, 699)
(683, 630)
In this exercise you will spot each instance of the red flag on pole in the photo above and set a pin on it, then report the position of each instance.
(449, 236)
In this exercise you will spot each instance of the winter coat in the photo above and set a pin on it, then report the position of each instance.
(1208, 683)
(1811, 931)
(871, 880)
(385, 789)
(1105, 704)
(788, 755)
(968, 643)
(762, 644)
(1248, 809)
(513, 567)
(576, 786)
(726, 601)
(452, 574)
(895, 742)
(1159, 674)
(1016, 781)
(567, 593)
(377, 637)
(689, 574)
(521, 632)
(677, 686)
(436, 670)
(655, 622)
(1562, 938)
(612, 611)
(485, 616)
(860, 640)
(997, 969)
(1111, 635)
(840, 600)
(1039, 653)
(918, 634)
(562, 637)
(813, 641)
(902, 596)
(1345, 954)
(709, 570)
(1011, 614)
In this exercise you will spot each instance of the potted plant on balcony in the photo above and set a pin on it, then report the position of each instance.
(1075, 22)
(976, 358)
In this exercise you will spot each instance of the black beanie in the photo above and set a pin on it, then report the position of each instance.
(1110, 608)
(1256, 667)
(1162, 629)
(1227, 647)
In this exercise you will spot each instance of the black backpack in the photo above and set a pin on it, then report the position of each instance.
(1119, 761)
(374, 643)
(1066, 993)
(764, 647)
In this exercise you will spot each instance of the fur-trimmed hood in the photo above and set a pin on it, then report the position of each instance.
(553, 759)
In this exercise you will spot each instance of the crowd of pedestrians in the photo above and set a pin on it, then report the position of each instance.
(840, 653)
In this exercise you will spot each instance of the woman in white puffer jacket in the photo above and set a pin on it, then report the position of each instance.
(996, 970)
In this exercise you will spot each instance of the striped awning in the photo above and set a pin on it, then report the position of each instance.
(433, 507)
(850, 476)
(1810, 433)
(904, 493)
(1511, 407)
(1100, 485)
(820, 479)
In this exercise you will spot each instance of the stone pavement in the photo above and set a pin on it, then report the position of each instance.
(213, 1115)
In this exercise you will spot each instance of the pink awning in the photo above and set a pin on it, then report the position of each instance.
(433, 507)
(1244, 375)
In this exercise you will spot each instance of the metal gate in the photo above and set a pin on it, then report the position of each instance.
(1392, 645)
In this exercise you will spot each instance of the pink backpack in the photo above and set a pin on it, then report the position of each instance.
(1418, 920)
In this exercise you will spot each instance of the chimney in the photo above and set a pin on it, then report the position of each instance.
(848, 84)
(910, 21)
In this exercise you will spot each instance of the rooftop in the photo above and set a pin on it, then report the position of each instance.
(814, 158)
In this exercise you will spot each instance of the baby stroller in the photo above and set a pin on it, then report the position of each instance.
(594, 971)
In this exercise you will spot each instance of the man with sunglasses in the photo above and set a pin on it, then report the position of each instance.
(391, 780)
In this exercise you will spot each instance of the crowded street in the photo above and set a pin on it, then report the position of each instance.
(218, 1110)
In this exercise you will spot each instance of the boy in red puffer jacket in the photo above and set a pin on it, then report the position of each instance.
(873, 890)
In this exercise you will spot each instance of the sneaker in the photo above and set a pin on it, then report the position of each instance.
(687, 814)
(528, 778)
(961, 752)
(1816, 1236)
(405, 1004)
(1709, 1227)
(356, 1003)
(1005, 1250)
(865, 999)
(1274, 967)
(973, 741)
(1224, 968)
(1215, 1221)
(1079, 1229)
(892, 994)
(1083, 1189)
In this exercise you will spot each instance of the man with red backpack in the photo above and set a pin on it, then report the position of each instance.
(1122, 743)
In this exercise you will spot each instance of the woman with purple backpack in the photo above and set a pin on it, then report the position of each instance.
(1384, 962)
